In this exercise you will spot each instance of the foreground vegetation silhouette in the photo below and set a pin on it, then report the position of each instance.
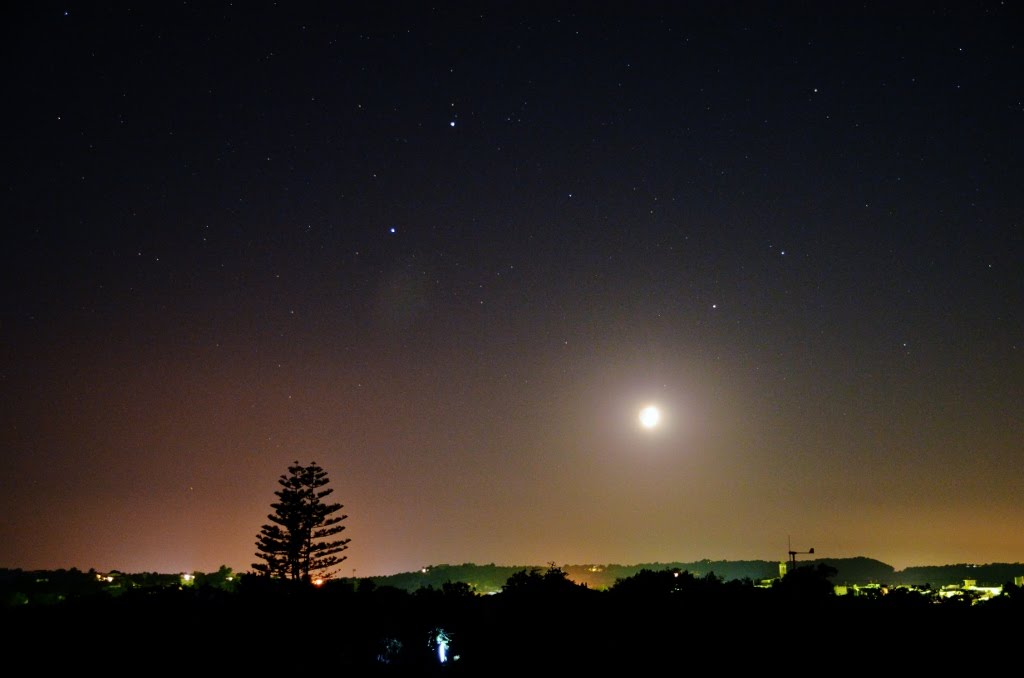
(540, 621)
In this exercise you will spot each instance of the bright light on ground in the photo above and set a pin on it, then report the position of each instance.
(650, 416)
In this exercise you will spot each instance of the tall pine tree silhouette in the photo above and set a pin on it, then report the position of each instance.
(297, 543)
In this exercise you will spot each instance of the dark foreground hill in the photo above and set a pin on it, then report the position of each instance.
(540, 622)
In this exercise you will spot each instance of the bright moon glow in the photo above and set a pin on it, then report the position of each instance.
(650, 416)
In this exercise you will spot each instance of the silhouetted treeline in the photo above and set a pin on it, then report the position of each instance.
(18, 587)
(538, 623)
(849, 571)
(991, 574)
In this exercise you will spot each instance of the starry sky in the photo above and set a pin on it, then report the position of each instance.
(449, 252)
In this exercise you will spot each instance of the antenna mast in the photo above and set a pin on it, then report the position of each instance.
(793, 554)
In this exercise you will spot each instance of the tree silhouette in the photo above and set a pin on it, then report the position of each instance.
(807, 586)
(296, 543)
(553, 582)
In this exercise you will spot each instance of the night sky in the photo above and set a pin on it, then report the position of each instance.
(449, 254)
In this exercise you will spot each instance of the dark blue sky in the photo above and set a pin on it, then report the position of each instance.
(448, 254)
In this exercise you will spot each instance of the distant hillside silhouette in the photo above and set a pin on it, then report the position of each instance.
(849, 571)
(18, 586)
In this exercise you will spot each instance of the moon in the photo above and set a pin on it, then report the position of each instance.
(650, 417)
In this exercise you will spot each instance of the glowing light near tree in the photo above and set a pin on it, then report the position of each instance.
(442, 642)
(442, 647)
